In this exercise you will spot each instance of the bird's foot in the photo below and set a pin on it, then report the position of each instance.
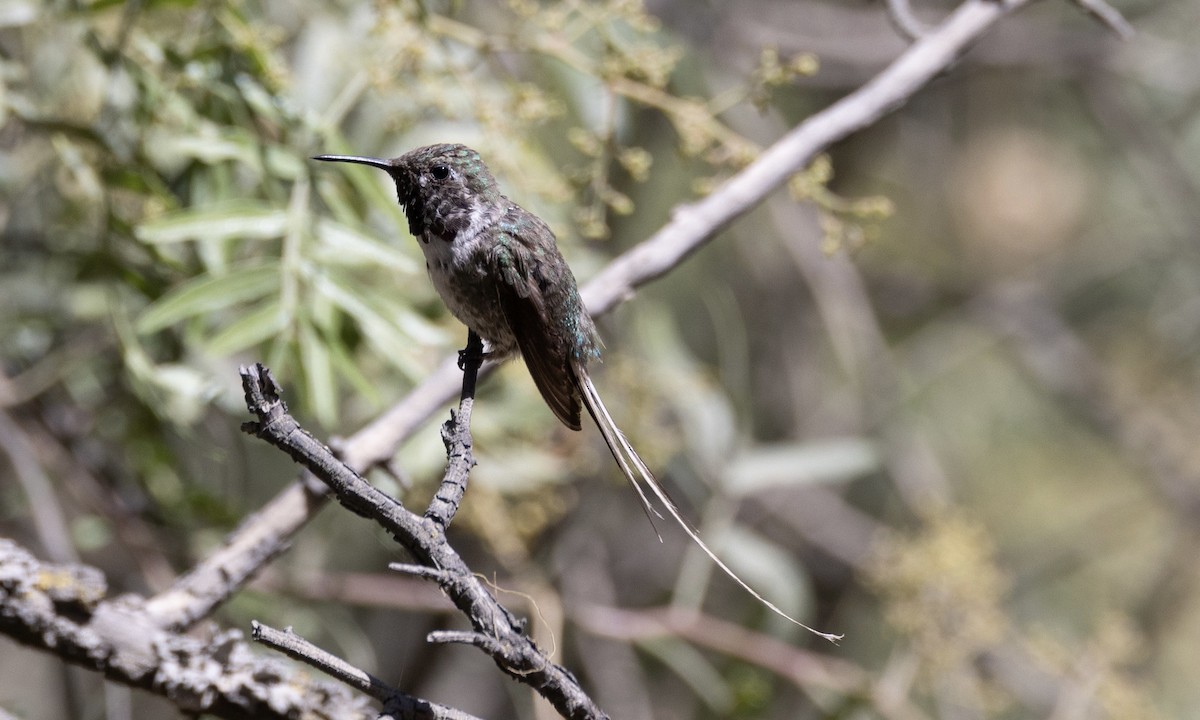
(472, 355)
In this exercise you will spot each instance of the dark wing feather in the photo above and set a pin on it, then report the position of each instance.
(520, 294)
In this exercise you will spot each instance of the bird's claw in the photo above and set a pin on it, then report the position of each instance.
(468, 355)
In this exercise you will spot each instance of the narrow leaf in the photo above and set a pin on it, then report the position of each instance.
(380, 327)
(348, 368)
(170, 151)
(318, 374)
(344, 245)
(248, 330)
(240, 220)
(205, 294)
(834, 460)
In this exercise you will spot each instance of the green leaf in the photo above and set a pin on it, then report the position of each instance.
(284, 164)
(248, 330)
(172, 152)
(378, 327)
(825, 461)
(205, 294)
(343, 245)
(238, 220)
(349, 301)
(348, 368)
(318, 375)
(256, 96)
(415, 327)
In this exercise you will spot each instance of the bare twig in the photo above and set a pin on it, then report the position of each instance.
(429, 573)
(456, 434)
(489, 645)
(399, 704)
(513, 652)
(297, 648)
(277, 427)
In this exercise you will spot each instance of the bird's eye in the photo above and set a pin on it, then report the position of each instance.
(439, 172)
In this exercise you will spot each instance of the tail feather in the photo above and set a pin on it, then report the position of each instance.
(620, 448)
(638, 474)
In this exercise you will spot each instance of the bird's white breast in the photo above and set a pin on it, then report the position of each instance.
(445, 258)
(458, 270)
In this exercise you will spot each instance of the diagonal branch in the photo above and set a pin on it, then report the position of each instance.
(499, 633)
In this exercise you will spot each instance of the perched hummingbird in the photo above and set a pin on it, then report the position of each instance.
(498, 269)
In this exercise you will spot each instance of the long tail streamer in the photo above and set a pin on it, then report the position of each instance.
(639, 475)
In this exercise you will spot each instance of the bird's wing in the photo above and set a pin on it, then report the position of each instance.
(521, 290)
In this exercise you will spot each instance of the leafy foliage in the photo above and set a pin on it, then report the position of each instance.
(960, 431)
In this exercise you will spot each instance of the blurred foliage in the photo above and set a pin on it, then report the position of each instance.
(940, 396)
(944, 591)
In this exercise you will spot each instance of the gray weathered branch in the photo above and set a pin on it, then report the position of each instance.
(62, 608)
(497, 631)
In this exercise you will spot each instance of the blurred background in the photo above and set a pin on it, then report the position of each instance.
(940, 395)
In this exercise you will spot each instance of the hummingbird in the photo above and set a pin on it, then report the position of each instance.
(498, 268)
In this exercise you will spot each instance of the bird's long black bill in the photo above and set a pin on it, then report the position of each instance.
(373, 162)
